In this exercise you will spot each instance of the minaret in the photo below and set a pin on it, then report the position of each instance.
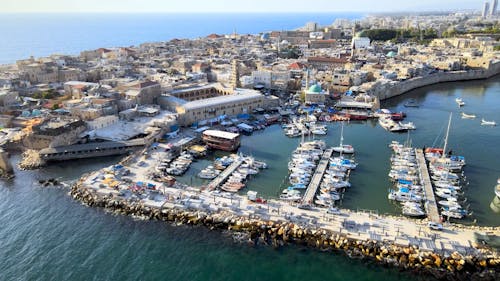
(235, 75)
(307, 78)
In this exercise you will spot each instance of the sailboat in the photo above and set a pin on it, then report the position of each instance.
(460, 102)
(439, 154)
(488, 123)
(343, 148)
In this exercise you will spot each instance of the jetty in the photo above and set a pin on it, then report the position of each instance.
(430, 201)
(222, 177)
(312, 188)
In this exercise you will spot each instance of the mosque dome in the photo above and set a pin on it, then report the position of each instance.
(315, 89)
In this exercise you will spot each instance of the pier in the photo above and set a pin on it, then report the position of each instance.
(312, 188)
(430, 201)
(225, 174)
(89, 150)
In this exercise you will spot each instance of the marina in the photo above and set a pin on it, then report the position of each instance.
(312, 188)
(231, 149)
(430, 200)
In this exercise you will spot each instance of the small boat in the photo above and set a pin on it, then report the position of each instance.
(413, 212)
(411, 103)
(468, 116)
(459, 101)
(488, 123)
(407, 126)
(344, 148)
(318, 131)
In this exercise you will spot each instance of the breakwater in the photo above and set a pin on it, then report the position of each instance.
(281, 232)
(388, 89)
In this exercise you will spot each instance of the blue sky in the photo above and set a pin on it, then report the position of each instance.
(9, 6)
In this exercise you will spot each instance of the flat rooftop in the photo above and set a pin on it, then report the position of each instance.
(239, 95)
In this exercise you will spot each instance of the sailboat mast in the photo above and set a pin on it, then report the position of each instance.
(342, 134)
(446, 138)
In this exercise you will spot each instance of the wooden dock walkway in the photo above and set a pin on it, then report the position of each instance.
(225, 174)
(430, 200)
(312, 188)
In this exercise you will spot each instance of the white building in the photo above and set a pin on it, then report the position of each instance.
(360, 43)
(486, 7)
(493, 8)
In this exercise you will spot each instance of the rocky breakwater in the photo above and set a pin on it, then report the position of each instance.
(31, 160)
(280, 233)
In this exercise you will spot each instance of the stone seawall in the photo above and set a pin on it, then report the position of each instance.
(279, 233)
(389, 90)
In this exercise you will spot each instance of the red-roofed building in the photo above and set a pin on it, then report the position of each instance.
(297, 66)
(214, 36)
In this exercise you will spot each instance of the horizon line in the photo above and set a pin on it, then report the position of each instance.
(235, 12)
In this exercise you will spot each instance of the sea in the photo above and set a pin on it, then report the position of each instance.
(46, 235)
(25, 35)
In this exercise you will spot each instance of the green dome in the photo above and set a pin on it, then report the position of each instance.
(315, 89)
(391, 54)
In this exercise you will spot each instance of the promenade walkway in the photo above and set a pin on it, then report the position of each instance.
(430, 201)
(312, 188)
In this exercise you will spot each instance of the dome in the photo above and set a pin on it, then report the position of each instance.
(265, 36)
(391, 54)
(315, 89)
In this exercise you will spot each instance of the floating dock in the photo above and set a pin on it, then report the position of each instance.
(225, 174)
(430, 200)
(312, 188)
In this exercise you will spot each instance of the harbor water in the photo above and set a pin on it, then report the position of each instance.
(47, 236)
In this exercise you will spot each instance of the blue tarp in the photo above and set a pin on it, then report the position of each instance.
(405, 182)
(404, 189)
(243, 116)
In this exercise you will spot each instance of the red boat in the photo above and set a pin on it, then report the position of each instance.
(398, 116)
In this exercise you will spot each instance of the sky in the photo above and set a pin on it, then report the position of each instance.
(221, 6)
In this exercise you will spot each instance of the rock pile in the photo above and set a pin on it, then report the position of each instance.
(31, 160)
(277, 234)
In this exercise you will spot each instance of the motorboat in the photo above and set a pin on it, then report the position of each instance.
(459, 101)
(413, 212)
(454, 214)
(449, 203)
(407, 126)
(468, 116)
(488, 123)
(343, 162)
(403, 195)
(290, 195)
(323, 202)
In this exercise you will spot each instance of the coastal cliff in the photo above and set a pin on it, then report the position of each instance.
(386, 90)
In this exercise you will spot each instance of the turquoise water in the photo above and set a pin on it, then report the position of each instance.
(369, 181)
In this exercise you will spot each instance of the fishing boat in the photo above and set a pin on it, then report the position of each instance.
(459, 101)
(488, 123)
(343, 148)
(468, 116)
